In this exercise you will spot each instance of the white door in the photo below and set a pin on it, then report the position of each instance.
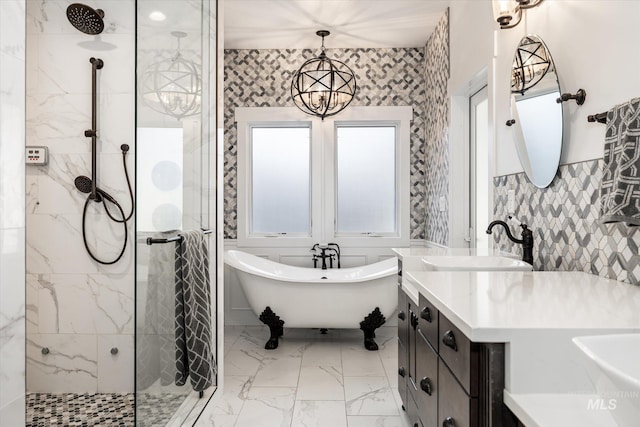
(479, 180)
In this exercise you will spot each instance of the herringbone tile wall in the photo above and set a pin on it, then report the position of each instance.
(386, 77)
(564, 218)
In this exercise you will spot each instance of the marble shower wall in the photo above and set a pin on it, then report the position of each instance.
(77, 308)
(436, 166)
(12, 213)
(564, 218)
(385, 77)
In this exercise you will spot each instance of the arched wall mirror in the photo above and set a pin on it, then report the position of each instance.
(536, 116)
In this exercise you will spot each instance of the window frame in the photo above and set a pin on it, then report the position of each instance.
(323, 174)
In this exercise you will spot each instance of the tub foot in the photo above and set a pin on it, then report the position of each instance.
(374, 320)
(276, 327)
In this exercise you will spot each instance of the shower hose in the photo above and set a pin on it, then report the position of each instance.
(103, 197)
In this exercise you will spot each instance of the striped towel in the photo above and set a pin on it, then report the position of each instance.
(194, 352)
(620, 187)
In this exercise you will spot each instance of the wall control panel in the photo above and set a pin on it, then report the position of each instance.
(37, 155)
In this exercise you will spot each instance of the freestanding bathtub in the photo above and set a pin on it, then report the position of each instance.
(299, 297)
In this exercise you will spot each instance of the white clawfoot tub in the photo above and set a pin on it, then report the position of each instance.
(299, 297)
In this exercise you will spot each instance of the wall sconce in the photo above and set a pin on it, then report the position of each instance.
(508, 13)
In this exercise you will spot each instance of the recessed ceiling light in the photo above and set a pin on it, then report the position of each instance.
(157, 16)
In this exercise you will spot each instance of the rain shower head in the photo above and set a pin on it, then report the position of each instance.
(85, 18)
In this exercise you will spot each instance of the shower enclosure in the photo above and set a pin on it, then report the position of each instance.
(175, 174)
(135, 85)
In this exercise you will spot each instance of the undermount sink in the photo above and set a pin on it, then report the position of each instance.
(474, 263)
(612, 365)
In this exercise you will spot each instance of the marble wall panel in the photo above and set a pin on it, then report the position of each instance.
(70, 366)
(72, 300)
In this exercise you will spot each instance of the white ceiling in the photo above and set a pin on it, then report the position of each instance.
(279, 24)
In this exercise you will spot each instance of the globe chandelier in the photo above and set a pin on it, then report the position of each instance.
(172, 86)
(323, 87)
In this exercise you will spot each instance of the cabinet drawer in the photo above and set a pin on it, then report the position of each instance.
(455, 407)
(428, 321)
(460, 355)
(427, 382)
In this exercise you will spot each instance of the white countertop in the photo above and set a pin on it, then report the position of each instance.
(559, 410)
(497, 306)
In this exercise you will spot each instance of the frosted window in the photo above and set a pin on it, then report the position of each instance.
(366, 179)
(159, 179)
(280, 180)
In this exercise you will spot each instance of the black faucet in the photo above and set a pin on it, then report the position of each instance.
(331, 251)
(526, 241)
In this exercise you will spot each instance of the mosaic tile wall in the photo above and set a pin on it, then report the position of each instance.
(386, 77)
(564, 221)
(436, 168)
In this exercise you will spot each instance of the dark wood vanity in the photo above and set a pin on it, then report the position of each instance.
(444, 379)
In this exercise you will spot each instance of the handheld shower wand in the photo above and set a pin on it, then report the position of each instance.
(89, 185)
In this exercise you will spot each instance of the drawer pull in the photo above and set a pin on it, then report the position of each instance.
(414, 320)
(448, 422)
(401, 315)
(426, 314)
(402, 372)
(450, 340)
(425, 385)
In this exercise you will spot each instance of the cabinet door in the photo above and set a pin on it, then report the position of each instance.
(403, 337)
(427, 378)
(455, 407)
(411, 348)
(428, 321)
(460, 354)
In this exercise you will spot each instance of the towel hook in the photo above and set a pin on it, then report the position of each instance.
(580, 96)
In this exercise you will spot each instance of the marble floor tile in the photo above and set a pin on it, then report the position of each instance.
(231, 399)
(267, 407)
(323, 354)
(369, 396)
(242, 362)
(312, 413)
(320, 383)
(310, 380)
(360, 362)
(377, 421)
(280, 372)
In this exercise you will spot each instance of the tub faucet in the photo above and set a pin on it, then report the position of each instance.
(329, 251)
(526, 241)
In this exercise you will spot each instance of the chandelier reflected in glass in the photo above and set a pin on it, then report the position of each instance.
(323, 87)
(530, 64)
(172, 86)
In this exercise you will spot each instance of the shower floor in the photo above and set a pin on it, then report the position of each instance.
(71, 409)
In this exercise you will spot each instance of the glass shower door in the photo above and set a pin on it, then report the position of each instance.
(174, 173)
